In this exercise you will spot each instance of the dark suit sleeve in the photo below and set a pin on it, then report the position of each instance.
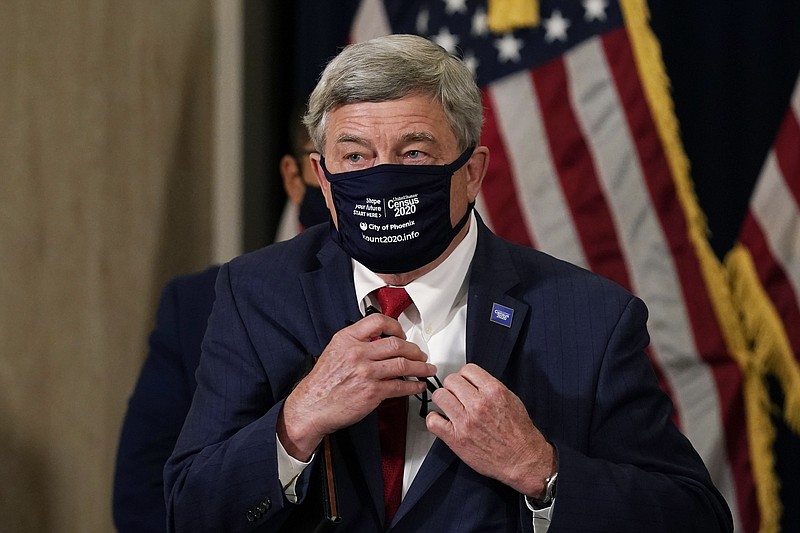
(222, 475)
(159, 403)
(638, 472)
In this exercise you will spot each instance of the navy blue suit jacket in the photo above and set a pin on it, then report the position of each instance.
(574, 353)
(160, 401)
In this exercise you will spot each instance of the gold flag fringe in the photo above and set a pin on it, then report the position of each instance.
(771, 355)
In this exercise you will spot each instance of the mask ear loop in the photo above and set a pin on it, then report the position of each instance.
(332, 229)
(461, 160)
(451, 168)
(463, 222)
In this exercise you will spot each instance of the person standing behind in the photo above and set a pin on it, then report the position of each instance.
(305, 205)
(163, 393)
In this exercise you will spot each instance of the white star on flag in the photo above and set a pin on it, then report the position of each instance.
(455, 6)
(556, 27)
(471, 62)
(446, 40)
(422, 21)
(595, 10)
(480, 23)
(508, 48)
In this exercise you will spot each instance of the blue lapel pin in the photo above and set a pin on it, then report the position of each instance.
(501, 315)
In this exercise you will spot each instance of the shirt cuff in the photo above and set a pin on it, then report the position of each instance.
(541, 517)
(289, 470)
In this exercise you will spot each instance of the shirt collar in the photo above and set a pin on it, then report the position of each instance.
(436, 293)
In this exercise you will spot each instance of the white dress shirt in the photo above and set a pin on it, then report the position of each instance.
(436, 322)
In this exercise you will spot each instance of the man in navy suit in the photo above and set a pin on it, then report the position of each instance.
(166, 384)
(526, 400)
(160, 401)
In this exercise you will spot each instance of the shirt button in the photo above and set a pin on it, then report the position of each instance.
(251, 517)
(428, 330)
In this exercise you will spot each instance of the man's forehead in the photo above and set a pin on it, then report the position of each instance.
(404, 137)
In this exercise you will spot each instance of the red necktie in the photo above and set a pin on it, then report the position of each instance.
(392, 414)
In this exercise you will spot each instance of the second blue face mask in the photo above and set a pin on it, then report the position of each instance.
(395, 218)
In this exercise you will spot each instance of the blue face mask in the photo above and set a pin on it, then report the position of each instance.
(395, 218)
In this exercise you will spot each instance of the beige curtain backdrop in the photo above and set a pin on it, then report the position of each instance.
(105, 180)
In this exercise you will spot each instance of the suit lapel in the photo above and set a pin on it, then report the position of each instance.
(491, 333)
(439, 458)
(330, 296)
(490, 340)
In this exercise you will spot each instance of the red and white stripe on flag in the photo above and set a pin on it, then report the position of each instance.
(771, 231)
(764, 271)
(578, 169)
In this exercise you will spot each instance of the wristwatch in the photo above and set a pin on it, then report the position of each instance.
(549, 493)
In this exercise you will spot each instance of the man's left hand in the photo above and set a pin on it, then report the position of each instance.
(488, 427)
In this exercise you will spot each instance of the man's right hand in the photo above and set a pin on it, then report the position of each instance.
(352, 376)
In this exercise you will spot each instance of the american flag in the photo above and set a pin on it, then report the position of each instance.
(765, 274)
(771, 230)
(587, 165)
